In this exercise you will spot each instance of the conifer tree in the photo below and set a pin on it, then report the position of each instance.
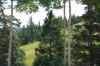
(50, 51)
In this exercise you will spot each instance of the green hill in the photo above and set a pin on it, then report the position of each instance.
(29, 50)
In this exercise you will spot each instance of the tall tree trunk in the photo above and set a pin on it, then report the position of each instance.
(50, 55)
(69, 35)
(90, 36)
(91, 60)
(10, 38)
(65, 52)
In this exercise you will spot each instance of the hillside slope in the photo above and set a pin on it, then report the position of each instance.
(29, 50)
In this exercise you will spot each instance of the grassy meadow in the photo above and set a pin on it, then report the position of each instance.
(29, 50)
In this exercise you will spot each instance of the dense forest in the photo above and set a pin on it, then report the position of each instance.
(60, 41)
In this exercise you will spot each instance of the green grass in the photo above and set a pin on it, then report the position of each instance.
(29, 50)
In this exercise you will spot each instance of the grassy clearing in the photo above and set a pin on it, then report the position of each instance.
(29, 50)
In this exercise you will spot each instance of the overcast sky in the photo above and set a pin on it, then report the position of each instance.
(77, 9)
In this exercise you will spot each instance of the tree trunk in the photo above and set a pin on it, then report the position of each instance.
(10, 38)
(65, 52)
(69, 35)
(91, 62)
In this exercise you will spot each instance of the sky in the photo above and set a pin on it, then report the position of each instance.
(39, 16)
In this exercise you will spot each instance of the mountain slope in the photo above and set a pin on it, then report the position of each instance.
(29, 50)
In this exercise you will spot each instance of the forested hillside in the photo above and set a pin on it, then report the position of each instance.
(60, 41)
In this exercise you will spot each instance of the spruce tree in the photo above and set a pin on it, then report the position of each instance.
(4, 41)
(50, 51)
(87, 35)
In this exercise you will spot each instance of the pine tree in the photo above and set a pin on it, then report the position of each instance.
(86, 36)
(4, 41)
(50, 51)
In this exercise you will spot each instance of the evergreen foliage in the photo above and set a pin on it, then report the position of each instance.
(4, 41)
(50, 51)
(86, 35)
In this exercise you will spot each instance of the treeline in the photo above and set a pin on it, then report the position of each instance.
(30, 33)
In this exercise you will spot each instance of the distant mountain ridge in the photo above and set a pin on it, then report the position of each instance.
(16, 29)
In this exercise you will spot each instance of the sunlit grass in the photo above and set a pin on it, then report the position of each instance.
(29, 50)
